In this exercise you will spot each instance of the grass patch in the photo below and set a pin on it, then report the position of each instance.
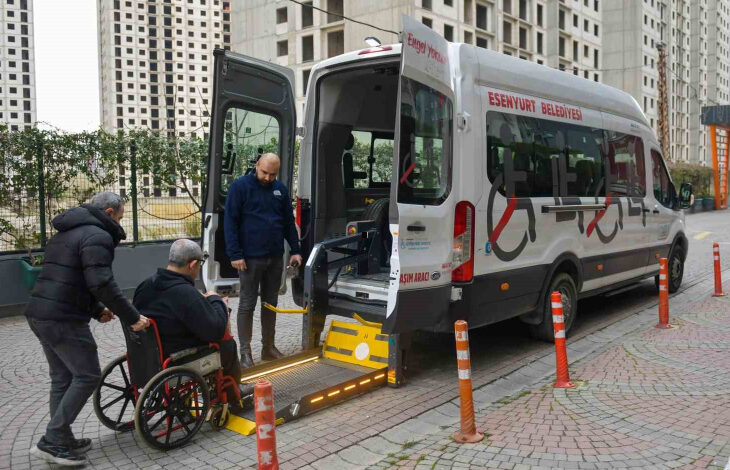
(409, 444)
(511, 398)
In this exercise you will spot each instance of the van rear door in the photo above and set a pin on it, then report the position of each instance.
(421, 216)
(253, 113)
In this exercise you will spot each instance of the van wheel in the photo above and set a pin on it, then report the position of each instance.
(379, 211)
(675, 266)
(563, 283)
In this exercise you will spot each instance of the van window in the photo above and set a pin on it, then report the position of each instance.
(367, 160)
(625, 165)
(382, 160)
(520, 155)
(246, 136)
(357, 160)
(585, 169)
(661, 183)
(425, 153)
(546, 158)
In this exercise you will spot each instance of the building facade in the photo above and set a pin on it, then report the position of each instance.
(17, 65)
(156, 70)
(155, 63)
(691, 33)
(563, 34)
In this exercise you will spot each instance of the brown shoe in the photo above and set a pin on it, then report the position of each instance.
(269, 353)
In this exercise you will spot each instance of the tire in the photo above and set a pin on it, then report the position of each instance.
(675, 266)
(565, 284)
(113, 398)
(379, 212)
(171, 397)
(215, 418)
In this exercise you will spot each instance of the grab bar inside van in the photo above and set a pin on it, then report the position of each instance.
(573, 208)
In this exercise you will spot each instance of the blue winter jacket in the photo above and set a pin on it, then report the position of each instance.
(258, 219)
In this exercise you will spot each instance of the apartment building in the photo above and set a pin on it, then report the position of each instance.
(17, 65)
(155, 61)
(691, 32)
(155, 69)
(563, 34)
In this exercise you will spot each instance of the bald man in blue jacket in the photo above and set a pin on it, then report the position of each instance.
(258, 218)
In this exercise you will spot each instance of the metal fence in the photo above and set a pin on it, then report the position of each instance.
(155, 210)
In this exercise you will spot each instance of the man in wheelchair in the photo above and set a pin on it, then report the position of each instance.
(185, 317)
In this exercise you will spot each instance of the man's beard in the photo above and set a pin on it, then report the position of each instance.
(266, 184)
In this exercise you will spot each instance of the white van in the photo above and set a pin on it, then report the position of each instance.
(483, 183)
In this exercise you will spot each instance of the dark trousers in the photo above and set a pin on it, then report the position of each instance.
(73, 364)
(263, 273)
(229, 359)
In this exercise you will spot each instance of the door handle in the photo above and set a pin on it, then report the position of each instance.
(655, 211)
(416, 228)
(646, 211)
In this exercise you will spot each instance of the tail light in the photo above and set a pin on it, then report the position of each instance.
(463, 261)
(298, 219)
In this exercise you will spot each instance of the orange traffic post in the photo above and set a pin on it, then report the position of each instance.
(468, 432)
(561, 354)
(663, 295)
(263, 394)
(718, 274)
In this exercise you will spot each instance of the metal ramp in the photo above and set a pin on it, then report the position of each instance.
(352, 361)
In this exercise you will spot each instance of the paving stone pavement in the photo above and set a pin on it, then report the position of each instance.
(350, 432)
(418, 420)
(648, 399)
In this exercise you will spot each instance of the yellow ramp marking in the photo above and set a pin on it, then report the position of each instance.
(356, 344)
(245, 426)
(241, 425)
(701, 235)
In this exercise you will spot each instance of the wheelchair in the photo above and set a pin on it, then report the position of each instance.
(166, 399)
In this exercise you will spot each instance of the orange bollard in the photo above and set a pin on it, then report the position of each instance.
(663, 295)
(468, 432)
(263, 394)
(718, 274)
(561, 354)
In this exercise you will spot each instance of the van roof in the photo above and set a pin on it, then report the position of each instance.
(511, 73)
(518, 75)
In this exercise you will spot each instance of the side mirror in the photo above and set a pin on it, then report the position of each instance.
(686, 198)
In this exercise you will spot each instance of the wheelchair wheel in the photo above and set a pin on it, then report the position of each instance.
(171, 408)
(217, 420)
(114, 396)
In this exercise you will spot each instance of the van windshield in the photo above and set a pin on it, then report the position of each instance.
(425, 153)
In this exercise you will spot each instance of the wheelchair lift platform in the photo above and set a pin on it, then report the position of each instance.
(352, 361)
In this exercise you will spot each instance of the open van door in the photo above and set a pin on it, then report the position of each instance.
(421, 211)
(253, 113)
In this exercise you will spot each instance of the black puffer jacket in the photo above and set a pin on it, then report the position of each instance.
(76, 282)
(184, 317)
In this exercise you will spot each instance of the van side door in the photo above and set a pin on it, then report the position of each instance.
(625, 162)
(660, 200)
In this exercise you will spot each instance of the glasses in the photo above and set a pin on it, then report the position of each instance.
(202, 261)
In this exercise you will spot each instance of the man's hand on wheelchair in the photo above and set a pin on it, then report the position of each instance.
(106, 316)
(141, 324)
